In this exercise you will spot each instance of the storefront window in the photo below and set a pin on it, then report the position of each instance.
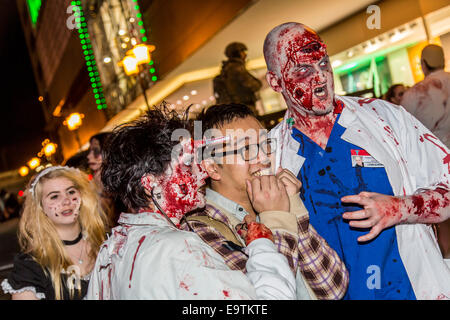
(115, 29)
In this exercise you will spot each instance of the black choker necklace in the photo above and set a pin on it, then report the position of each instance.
(72, 242)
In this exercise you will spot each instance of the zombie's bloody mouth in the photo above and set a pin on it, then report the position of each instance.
(320, 92)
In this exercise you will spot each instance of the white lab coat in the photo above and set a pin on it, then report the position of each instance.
(147, 258)
(396, 139)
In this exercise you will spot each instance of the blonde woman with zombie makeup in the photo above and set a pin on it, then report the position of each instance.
(60, 232)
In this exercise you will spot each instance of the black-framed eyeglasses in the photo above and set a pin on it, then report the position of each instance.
(248, 152)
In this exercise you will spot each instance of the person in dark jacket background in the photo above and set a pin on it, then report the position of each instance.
(235, 84)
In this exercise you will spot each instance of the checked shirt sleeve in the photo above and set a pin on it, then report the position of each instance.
(305, 249)
(320, 265)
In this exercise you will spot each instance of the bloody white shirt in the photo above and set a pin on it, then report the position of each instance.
(429, 102)
(147, 258)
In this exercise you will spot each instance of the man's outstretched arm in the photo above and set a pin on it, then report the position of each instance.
(382, 211)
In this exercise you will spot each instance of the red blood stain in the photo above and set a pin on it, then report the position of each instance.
(180, 183)
(442, 297)
(391, 134)
(338, 106)
(427, 208)
(184, 286)
(446, 159)
(436, 83)
(442, 192)
(256, 231)
(188, 246)
(363, 101)
(318, 129)
(418, 204)
(303, 50)
(392, 209)
(226, 293)
(180, 192)
(134, 258)
(109, 276)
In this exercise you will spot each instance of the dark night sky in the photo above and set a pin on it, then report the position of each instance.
(21, 117)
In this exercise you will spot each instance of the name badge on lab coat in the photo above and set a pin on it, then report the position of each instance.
(361, 158)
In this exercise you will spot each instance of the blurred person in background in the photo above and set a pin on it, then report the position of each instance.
(60, 232)
(94, 156)
(429, 99)
(111, 205)
(9, 206)
(235, 84)
(395, 93)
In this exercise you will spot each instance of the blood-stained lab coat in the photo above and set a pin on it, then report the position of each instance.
(414, 159)
(147, 258)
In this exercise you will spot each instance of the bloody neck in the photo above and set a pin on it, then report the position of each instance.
(316, 127)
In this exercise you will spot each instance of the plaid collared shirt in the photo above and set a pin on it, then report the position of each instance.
(319, 264)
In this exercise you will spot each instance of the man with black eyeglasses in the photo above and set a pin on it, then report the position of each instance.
(242, 190)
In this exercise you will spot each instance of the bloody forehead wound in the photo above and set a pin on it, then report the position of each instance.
(302, 44)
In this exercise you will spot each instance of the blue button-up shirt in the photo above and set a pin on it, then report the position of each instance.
(375, 267)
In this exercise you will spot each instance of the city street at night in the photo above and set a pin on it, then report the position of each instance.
(225, 149)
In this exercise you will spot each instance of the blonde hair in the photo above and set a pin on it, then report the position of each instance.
(37, 233)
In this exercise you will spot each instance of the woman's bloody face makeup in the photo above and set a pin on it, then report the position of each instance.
(306, 73)
(60, 200)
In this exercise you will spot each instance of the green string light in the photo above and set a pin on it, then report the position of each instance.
(34, 7)
(144, 37)
(89, 55)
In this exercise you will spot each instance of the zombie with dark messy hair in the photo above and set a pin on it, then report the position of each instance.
(136, 149)
(155, 174)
